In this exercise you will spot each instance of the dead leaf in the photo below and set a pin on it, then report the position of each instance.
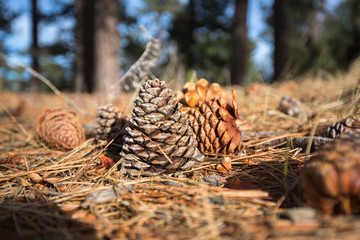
(105, 162)
(237, 183)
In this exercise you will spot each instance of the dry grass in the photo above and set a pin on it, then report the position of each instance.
(51, 194)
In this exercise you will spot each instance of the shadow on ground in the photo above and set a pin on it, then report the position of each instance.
(40, 220)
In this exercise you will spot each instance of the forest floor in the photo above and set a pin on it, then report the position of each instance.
(50, 194)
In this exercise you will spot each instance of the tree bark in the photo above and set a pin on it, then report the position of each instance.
(281, 57)
(239, 43)
(316, 7)
(97, 46)
(107, 39)
(79, 49)
(34, 82)
(85, 45)
(189, 39)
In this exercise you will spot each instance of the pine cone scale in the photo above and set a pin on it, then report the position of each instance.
(138, 112)
(154, 117)
(138, 121)
(159, 101)
(149, 128)
(148, 107)
(161, 135)
(192, 93)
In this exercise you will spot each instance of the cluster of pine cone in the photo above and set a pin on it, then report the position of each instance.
(168, 132)
(331, 178)
(165, 132)
(162, 135)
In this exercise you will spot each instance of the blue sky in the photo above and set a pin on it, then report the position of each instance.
(21, 38)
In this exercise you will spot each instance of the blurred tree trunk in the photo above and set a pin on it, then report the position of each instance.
(281, 55)
(316, 7)
(107, 39)
(34, 82)
(189, 39)
(314, 23)
(239, 41)
(97, 46)
(85, 44)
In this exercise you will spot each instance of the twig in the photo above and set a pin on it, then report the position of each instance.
(143, 64)
(301, 142)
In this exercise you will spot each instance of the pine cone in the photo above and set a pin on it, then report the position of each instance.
(159, 138)
(110, 124)
(192, 93)
(217, 125)
(332, 178)
(294, 108)
(349, 127)
(60, 129)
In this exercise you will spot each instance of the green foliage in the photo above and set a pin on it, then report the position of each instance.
(337, 44)
(51, 69)
(341, 37)
(202, 33)
(6, 17)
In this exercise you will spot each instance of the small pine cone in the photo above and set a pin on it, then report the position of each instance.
(192, 93)
(349, 127)
(159, 138)
(60, 129)
(294, 108)
(331, 179)
(217, 125)
(110, 124)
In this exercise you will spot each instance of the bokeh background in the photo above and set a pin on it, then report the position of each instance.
(78, 44)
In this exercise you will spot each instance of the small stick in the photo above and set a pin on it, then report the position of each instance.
(302, 142)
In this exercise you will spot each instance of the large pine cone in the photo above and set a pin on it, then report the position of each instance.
(217, 125)
(192, 93)
(332, 178)
(60, 129)
(110, 124)
(159, 138)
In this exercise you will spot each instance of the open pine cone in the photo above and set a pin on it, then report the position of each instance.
(192, 93)
(110, 124)
(331, 179)
(60, 129)
(217, 125)
(159, 138)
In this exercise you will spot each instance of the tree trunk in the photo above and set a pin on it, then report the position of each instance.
(317, 6)
(189, 39)
(85, 45)
(34, 82)
(79, 49)
(239, 43)
(107, 39)
(97, 46)
(281, 57)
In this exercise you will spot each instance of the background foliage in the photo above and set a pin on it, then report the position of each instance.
(196, 32)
